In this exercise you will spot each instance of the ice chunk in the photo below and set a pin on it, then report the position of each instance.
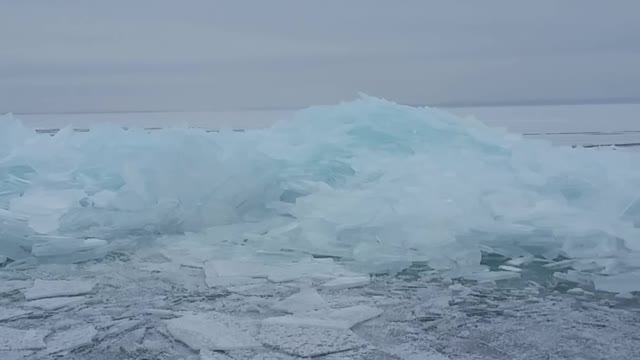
(50, 304)
(213, 331)
(308, 341)
(575, 277)
(57, 288)
(344, 318)
(347, 282)
(509, 268)
(10, 314)
(485, 276)
(621, 283)
(44, 207)
(303, 301)
(206, 354)
(14, 339)
(7, 286)
(70, 339)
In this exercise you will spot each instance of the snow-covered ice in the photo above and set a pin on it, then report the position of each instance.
(10, 314)
(58, 288)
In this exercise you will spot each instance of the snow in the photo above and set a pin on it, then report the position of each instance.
(14, 339)
(213, 331)
(58, 288)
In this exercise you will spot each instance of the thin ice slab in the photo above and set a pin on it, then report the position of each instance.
(56, 288)
(485, 276)
(14, 339)
(50, 304)
(213, 331)
(11, 314)
(308, 341)
(7, 286)
(344, 318)
(347, 282)
(622, 283)
(71, 339)
(304, 301)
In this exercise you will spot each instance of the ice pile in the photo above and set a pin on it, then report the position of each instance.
(370, 181)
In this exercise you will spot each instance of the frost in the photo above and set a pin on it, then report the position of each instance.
(308, 341)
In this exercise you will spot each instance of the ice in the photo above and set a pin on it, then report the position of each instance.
(206, 354)
(346, 282)
(213, 331)
(486, 276)
(10, 314)
(621, 283)
(7, 286)
(14, 339)
(373, 183)
(57, 288)
(306, 300)
(50, 304)
(71, 339)
(344, 318)
(308, 341)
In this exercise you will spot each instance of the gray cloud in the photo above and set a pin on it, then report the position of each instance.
(168, 55)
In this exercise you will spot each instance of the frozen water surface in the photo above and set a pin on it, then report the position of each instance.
(366, 230)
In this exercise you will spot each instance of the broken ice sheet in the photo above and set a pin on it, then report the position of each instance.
(303, 301)
(621, 283)
(344, 318)
(70, 339)
(485, 276)
(346, 282)
(14, 339)
(50, 304)
(213, 331)
(10, 314)
(308, 341)
(57, 288)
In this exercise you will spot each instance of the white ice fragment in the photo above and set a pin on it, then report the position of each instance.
(10, 314)
(344, 318)
(14, 339)
(492, 276)
(233, 273)
(624, 296)
(308, 341)
(621, 283)
(347, 282)
(213, 331)
(509, 268)
(304, 301)
(576, 291)
(50, 304)
(70, 339)
(57, 288)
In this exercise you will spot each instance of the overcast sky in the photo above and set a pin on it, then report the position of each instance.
(123, 55)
